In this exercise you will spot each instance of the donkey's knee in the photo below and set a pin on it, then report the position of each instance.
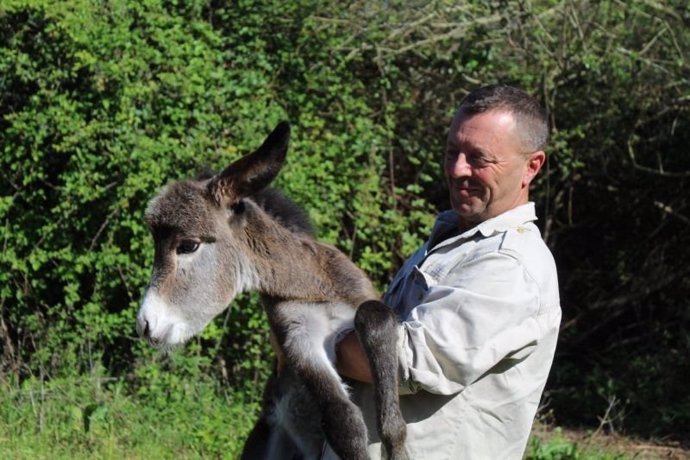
(376, 323)
(393, 433)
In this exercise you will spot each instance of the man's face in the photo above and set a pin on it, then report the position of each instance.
(486, 167)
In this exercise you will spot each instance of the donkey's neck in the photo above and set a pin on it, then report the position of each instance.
(291, 265)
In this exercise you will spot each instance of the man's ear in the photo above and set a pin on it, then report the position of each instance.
(534, 163)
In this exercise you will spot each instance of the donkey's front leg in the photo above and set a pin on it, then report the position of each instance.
(341, 421)
(376, 326)
(306, 331)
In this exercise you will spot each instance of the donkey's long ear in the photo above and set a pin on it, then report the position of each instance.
(253, 172)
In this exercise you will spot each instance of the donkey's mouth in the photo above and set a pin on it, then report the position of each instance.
(162, 345)
(156, 341)
(167, 337)
(144, 331)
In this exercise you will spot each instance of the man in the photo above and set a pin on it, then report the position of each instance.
(479, 301)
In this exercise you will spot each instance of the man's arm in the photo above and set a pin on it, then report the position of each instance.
(352, 361)
(487, 312)
(457, 334)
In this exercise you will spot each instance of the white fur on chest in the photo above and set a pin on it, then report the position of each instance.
(314, 327)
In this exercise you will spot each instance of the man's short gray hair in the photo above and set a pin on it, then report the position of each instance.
(531, 118)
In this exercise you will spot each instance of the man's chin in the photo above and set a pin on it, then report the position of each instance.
(465, 209)
(470, 213)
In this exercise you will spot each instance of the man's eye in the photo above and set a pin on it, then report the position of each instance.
(477, 160)
(187, 247)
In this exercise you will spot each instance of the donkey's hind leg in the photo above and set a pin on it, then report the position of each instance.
(376, 326)
(268, 440)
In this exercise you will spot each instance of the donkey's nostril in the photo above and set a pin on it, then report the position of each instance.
(143, 328)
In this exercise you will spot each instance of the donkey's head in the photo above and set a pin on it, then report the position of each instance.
(198, 229)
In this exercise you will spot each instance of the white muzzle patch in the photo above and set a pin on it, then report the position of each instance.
(158, 323)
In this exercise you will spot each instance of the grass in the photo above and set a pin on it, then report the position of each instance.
(559, 443)
(557, 447)
(170, 416)
(86, 419)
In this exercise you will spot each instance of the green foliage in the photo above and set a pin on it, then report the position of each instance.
(99, 417)
(559, 448)
(555, 449)
(104, 103)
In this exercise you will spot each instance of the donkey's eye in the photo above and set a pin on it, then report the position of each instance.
(187, 247)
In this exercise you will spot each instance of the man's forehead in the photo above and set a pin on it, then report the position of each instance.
(498, 114)
(492, 125)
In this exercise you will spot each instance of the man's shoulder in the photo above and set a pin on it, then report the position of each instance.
(525, 244)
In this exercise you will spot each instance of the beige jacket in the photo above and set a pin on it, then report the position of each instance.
(481, 314)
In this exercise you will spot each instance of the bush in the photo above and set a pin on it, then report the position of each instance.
(105, 104)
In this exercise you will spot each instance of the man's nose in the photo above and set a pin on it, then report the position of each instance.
(458, 166)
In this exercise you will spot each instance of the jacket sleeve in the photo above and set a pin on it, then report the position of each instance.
(485, 314)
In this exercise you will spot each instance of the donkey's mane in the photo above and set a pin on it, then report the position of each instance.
(285, 211)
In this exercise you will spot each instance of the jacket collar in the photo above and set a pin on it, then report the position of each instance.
(445, 230)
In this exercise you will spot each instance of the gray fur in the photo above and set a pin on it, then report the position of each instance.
(220, 236)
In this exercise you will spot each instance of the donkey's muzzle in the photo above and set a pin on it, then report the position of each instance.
(144, 331)
(143, 328)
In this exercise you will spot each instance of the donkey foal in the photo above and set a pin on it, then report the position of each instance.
(218, 237)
